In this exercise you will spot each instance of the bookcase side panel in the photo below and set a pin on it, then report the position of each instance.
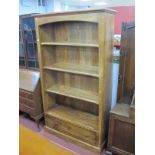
(108, 67)
(105, 70)
(46, 80)
(101, 33)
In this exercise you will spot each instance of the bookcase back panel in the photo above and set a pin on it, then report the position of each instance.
(49, 55)
(75, 32)
(73, 55)
(86, 83)
(50, 101)
(78, 104)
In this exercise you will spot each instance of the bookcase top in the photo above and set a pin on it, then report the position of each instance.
(106, 10)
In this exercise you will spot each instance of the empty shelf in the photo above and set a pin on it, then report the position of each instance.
(74, 93)
(70, 44)
(74, 68)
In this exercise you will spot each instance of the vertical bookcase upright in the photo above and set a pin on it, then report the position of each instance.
(75, 56)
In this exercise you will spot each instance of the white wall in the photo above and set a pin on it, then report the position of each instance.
(66, 7)
(49, 6)
(30, 6)
(57, 6)
(92, 3)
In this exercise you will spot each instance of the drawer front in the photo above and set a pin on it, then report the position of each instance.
(26, 109)
(26, 94)
(72, 130)
(26, 101)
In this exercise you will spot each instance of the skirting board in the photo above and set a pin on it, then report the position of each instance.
(116, 150)
(75, 140)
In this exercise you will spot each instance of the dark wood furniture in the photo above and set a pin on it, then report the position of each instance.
(28, 54)
(75, 51)
(30, 99)
(121, 137)
(126, 83)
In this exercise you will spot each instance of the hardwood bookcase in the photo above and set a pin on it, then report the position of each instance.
(75, 56)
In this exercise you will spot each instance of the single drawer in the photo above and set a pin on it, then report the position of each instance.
(26, 101)
(27, 109)
(71, 130)
(25, 94)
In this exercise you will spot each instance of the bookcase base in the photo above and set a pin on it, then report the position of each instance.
(76, 141)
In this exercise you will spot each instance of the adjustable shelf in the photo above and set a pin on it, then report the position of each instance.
(75, 50)
(69, 44)
(74, 68)
(74, 93)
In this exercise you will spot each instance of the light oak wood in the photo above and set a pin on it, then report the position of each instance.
(76, 69)
(78, 104)
(70, 80)
(74, 140)
(70, 33)
(75, 55)
(69, 44)
(63, 119)
(74, 93)
(82, 119)
(98, 10)
(106, 26)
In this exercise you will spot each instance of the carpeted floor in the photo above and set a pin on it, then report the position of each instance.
(27, 122)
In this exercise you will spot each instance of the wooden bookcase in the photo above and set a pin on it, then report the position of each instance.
(75, 56)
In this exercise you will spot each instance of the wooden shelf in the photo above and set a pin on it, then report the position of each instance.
(70, 44)
(75, 69)
(74, 93)
(76, 117)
